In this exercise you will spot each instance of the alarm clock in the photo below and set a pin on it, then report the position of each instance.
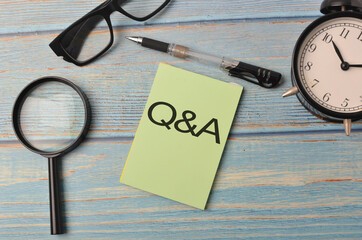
(327, 64)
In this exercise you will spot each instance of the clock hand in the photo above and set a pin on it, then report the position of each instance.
(338, 52)
(355, 65)
(344, 65)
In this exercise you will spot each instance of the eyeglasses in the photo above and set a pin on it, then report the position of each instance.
(92, 35)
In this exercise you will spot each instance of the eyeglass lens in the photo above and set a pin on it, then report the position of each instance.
(87, 39)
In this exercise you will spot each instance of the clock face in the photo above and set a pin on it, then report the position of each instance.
(328, 64)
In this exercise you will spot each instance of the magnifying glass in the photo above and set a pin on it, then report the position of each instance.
(51, 117)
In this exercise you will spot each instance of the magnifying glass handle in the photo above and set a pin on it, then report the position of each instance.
(55, 216)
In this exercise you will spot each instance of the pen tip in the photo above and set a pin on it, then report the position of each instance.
(134, 39)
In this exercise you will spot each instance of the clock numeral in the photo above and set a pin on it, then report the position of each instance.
(315, 82)
(327, 38)
(312, 48)
(326, 97)
(344, 33)
(345, 102)
(360, 37)
(308, 67)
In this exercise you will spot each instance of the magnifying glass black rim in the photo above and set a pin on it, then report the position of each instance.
(19, 104)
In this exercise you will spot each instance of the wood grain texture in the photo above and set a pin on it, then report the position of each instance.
(47, 15)
(118, 84)
(284, 174)
(262, 194)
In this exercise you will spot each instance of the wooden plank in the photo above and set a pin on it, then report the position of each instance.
(263, 190)
(39, 15)
(118, 84)
(284, 175)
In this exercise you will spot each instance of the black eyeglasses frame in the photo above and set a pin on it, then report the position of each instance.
(105, 10)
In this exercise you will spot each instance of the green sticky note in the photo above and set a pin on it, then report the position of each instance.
(181, 136)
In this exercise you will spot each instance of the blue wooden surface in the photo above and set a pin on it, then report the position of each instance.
(284, 174)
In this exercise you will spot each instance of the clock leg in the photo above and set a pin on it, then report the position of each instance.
(347, 126)
(290, 92)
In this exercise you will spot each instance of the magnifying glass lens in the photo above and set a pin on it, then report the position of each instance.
(52, 116)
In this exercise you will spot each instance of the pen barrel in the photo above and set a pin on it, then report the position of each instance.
(178, 51)
(154, 44)
(191, 54)
(261, 76)
(257, 75)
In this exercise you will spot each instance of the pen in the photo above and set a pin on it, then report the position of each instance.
(261, 76)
